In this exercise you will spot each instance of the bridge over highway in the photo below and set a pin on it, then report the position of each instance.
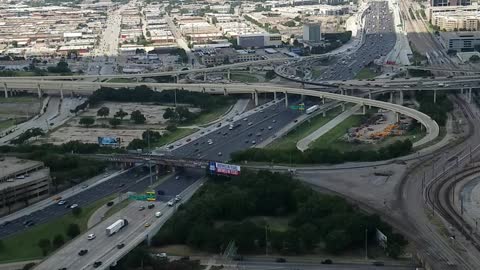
(40, 86)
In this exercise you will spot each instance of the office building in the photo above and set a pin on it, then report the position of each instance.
(312, 32)
(259, 40)
(460, 41)
(22, 182)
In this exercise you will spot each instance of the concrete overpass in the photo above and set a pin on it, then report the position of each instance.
(42, 86)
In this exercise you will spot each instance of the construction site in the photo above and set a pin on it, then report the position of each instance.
(378, 127)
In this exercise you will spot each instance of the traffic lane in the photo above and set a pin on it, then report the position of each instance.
(173, 186)
(120, 183)
(244, 140)
(217, 135)
(135, 220)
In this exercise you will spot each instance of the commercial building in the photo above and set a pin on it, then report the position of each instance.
(220, 56)
(22, 182)
(460, 41)
(455, 22)
(443, 3)
(259, 40)
(312, 32)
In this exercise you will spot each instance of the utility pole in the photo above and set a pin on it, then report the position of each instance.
(266, 239)
(366, 243)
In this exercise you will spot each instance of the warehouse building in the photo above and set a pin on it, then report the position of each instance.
(259, 40)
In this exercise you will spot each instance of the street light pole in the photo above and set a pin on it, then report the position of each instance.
(366, 243)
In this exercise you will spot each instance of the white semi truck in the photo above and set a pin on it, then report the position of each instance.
(312, 109)
(116, 226)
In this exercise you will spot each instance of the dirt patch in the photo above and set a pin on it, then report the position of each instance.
(90, 135)
(24, 108)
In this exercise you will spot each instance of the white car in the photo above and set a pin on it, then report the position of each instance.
(171, 203)
(73, 206)
(158, 214)
(91, 236)
(62, 202)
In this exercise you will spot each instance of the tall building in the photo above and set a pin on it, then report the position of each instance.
(312, 32)
(444, 3)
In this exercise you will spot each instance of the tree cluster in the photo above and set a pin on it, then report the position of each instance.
(61, 67)
(145, 94)
(25, 136)
(322, 155)
(314, 219)
(438, 111)
(180, 114)
(153, 136)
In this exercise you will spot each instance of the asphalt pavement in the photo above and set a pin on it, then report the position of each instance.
(246, 133)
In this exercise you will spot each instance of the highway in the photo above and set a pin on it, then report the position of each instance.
(129, 181)
(104, 248)
(378, 41)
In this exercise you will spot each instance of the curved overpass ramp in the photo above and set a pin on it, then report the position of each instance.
(431, 126)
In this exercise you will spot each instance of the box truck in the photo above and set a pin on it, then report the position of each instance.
(116, 226)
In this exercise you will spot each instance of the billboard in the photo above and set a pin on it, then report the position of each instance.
(108, 141)
(381, 238)
(222, 168)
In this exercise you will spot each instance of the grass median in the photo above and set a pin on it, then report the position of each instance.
(365, 73)
(24, 246)
(303, 130)
(174, 136)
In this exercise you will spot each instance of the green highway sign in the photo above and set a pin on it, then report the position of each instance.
(299, 107)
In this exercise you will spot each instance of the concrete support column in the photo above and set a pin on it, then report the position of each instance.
(5, 89)
(203, 90)
(177, 78)
(228, 74)
(256, 98)
(343, 107)
(286, 99)
(401, 97)
(39, 91)
(323, 100)
(470, 95)
(341, 91)
(461, 91)
(204, 76)
(303, 85)
(391, 97)
(434, 96)
(302, 97)
(324, 113)
(225, 93)
(61, 92)
(364, 109)
(369, 97)
(275, 96)
(397, 117)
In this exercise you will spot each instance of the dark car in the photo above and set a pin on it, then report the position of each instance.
(120, 246)
(280, 260)
(63, 268)
(97, 264)
(327, 261)
(83, 252)
(150, 206)
(110, 203)
(378, 263)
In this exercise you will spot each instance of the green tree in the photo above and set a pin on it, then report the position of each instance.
(120, 114)
(336, 241)
(137, 117)
(270, 74)
(77, 211)
(474, 58)
(86, 121)
(114, 122)
(44, 245)
(73, 230)
(58, 241)
(171, 128)
(151, 135)
(170, 114)
(137, 144)
(103, 112)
